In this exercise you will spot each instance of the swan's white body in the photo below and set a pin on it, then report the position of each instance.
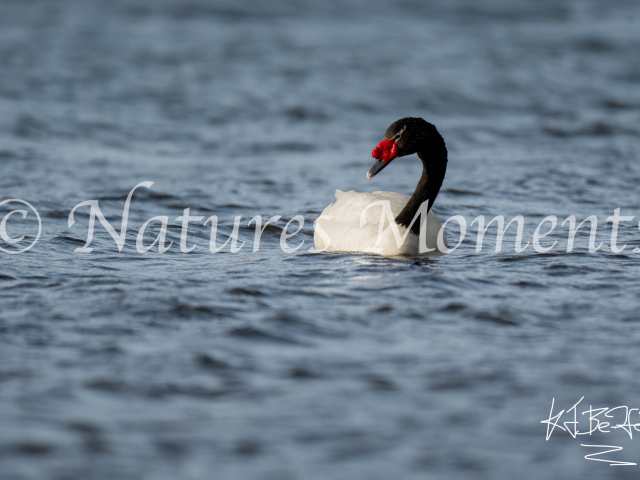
(340, 223)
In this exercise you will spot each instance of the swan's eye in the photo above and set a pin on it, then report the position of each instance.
(397, 136)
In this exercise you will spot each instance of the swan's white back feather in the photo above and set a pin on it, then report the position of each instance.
(340, 224)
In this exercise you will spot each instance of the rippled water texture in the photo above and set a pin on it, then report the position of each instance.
(269, 365)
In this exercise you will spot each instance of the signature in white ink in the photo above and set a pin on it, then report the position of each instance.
(602, 420)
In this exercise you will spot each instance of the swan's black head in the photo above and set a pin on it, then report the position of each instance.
(404, 137)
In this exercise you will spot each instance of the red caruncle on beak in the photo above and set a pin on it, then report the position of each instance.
(385, 151)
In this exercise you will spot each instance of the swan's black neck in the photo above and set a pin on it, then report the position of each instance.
(434, 166)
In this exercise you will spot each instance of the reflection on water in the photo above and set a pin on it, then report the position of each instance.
(268, 365)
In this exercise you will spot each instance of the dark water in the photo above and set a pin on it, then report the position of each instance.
(269, 365)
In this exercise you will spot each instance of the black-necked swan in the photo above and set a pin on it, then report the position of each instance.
(342, 226)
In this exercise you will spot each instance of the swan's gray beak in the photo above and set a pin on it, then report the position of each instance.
(379, 165)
